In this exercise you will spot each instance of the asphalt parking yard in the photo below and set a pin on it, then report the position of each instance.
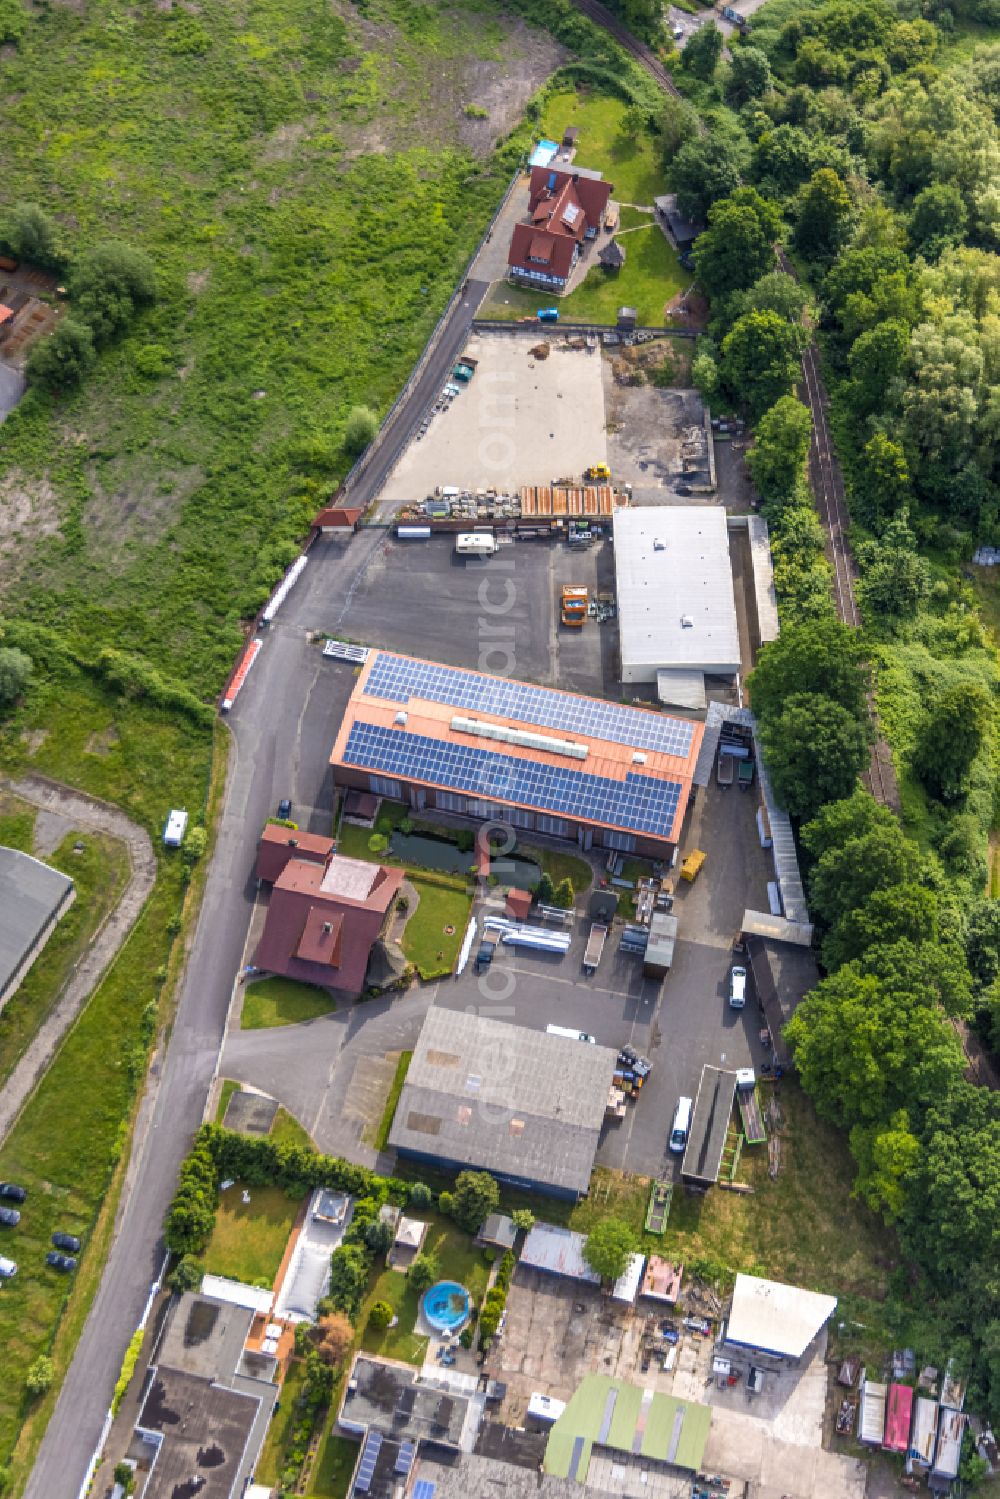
(498, 614)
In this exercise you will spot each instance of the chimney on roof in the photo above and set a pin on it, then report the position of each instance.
(327, 927)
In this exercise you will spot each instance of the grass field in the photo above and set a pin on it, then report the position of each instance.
(805, 1227)
(433, 934)
(279, 1001)
(286, 1130)
(632, 165)
(331, 1475)
(249, 1239)
(100, 868)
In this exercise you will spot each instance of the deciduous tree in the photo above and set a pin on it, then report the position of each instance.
(475, 1196)
(780, 449)
(702, 52)
(953, 734)
(362, 425)
(705, 169)
(814, 750)
(760, 359)
(608, 1247)
(60, 361)
(107, 284)
(821, 656)
(15, 674)
(749, 76)
(824, 218)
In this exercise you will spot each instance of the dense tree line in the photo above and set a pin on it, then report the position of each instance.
(836, 132)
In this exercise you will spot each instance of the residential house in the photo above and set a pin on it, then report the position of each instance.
(565, 209)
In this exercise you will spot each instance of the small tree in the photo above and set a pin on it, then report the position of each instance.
(634, 121)
(381, 1314)
(422, 1274)
(124, 1476)
(15, 671)
(421, 1195)
(26, 229)
(545, 890)
(60, 361)
(476, 1195)
(524, 1219)
(608, 1248)
(108, 284)
(335, 1336)
(951, 738)
(565, 894)
(378, 843)
(362, 424)
(40, 1376)
(186, 1274)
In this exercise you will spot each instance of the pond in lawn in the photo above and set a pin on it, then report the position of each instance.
(427, 852)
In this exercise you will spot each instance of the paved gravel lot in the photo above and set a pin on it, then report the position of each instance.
(520, 421)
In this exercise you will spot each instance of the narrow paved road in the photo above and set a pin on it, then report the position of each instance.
(452, 338)
(282, 730)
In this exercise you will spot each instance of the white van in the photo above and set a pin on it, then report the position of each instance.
(475, 543)
(562, 1030)
(681, 1125)
(737, 987)
(8, 1268)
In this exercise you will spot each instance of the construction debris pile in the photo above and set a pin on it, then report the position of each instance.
(536, 502)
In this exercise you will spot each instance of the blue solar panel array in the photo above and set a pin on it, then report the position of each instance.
(404, 1460)
(423, 1489)
(395, 679)
(366, 1469)
(643, 804)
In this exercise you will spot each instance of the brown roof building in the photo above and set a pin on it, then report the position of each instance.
(278, 846)
(564, 210)
(573, 767)
(323, 919)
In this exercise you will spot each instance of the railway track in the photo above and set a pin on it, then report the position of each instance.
(647, 59)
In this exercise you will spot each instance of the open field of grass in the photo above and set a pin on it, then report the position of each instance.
(559, 866)
(631, 164)
(331, 1475)
(249, 1239)
(279, 1001)
(286, 1130)
(433, 934)
(100, 870)
(17, 822)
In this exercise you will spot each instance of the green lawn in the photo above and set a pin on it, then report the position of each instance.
(280, 1001)
(650, 278)
(249, 1240)
(427, 941)
(633, 166)
(458, 1258)
(559, 866)
(286, 1130)
(100, 871)
(331, 1474)
(17, 822)
(388, 1113)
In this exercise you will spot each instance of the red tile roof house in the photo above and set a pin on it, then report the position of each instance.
(323, 918)
(564, 210)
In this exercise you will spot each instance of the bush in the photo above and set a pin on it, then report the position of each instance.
(60, 361)
(15, 673)
(565, 895)
(524, 1219)
(107, 285)
(186, 1274)
(381, 1314)
(475, 1197)
(127, 1370)
(362, 425)
(124, 1475)
(40, 1375)
(420, 1195)
(378, 843)
(335, 1337)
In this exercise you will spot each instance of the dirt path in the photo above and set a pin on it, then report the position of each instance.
(61, 807)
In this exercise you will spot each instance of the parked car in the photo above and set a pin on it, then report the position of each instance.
(64, 1262)
(9, 1217)
(737, 987)
(284, 807)
(67, 1241)
(7, 1268)
(13, 1192)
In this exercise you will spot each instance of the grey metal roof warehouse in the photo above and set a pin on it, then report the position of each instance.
(675, 591)
(32, 897)
(523, 1104)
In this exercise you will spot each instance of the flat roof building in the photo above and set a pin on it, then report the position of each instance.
(772, 1318)
(522, 1104)
(396, 1413)
(493, 748)
(33, 897)
(676, 610)
(559, 1251)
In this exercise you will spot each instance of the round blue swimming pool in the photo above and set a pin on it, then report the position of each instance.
(446, 1306)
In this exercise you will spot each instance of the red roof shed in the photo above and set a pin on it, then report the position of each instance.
(518, 904)
(897, 1418)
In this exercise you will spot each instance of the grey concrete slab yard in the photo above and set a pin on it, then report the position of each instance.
(521, 420)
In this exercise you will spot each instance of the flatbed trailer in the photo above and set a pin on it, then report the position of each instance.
(750, 1114)
(660, 1197)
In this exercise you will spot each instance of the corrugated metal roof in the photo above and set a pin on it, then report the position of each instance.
(763, 579)
(31, 893)
(672, 566)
